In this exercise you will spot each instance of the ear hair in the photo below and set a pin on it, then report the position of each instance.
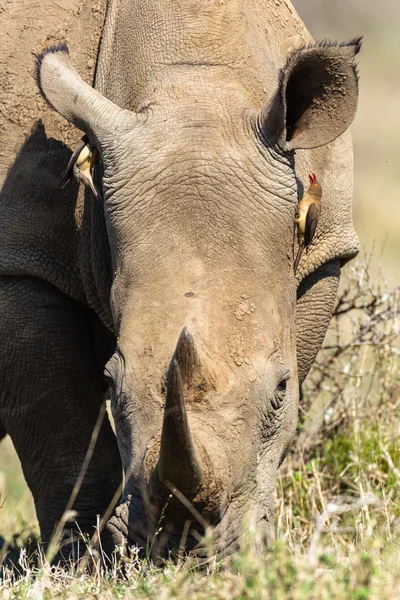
(354, 45)
(60, 47)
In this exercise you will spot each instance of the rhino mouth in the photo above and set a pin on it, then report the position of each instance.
(161, 521)
(131, 528)
(134, 526)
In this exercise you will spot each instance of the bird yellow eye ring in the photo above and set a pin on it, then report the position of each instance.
(315, 185)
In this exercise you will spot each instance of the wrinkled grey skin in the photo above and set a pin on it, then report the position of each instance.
(203, 163)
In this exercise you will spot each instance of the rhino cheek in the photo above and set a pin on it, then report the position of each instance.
(315, 305)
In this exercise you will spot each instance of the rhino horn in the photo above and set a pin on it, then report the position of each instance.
(178, 463)
(197, 374)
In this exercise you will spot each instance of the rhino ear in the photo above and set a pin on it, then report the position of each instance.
(316, 98)
(64, 90)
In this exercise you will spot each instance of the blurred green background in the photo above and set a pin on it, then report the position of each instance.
(377, 167)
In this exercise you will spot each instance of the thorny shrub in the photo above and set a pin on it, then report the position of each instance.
(347, 449)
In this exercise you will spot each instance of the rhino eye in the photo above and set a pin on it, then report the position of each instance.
(280, 393)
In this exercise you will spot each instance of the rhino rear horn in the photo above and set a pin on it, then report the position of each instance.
(178, 463)
(196, 372)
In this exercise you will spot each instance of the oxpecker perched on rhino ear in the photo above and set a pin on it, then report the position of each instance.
(309, 213)
(81, 165)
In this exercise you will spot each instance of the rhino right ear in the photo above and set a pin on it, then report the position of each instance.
(64, 90)
(316, 99)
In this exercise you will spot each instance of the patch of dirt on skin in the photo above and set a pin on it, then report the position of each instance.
(244, 307)
(237, 349)
(27, 28)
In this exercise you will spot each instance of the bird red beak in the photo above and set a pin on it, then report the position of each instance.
(312, 178)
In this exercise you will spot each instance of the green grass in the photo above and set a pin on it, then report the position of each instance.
(279, 573)
(17, 513)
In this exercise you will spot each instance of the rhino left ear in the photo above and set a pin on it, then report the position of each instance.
(316, 98)
(77, 101)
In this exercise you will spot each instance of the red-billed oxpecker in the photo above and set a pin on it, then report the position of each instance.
(309, 213)
(81, 165)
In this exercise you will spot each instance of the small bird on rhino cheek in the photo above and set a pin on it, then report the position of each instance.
(81, 165)
(309, 213)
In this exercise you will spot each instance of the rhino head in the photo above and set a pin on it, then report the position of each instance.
(200, 199)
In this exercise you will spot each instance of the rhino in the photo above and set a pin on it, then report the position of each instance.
(174, 291)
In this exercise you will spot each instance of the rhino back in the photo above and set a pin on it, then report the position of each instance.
(39, 223)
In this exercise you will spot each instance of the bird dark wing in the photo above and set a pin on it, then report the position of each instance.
(70, 167)
(311, 223)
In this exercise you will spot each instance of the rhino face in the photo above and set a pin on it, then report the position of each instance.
(200, 198)
(204, 378)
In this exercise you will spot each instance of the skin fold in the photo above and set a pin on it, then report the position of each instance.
(179, 282)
